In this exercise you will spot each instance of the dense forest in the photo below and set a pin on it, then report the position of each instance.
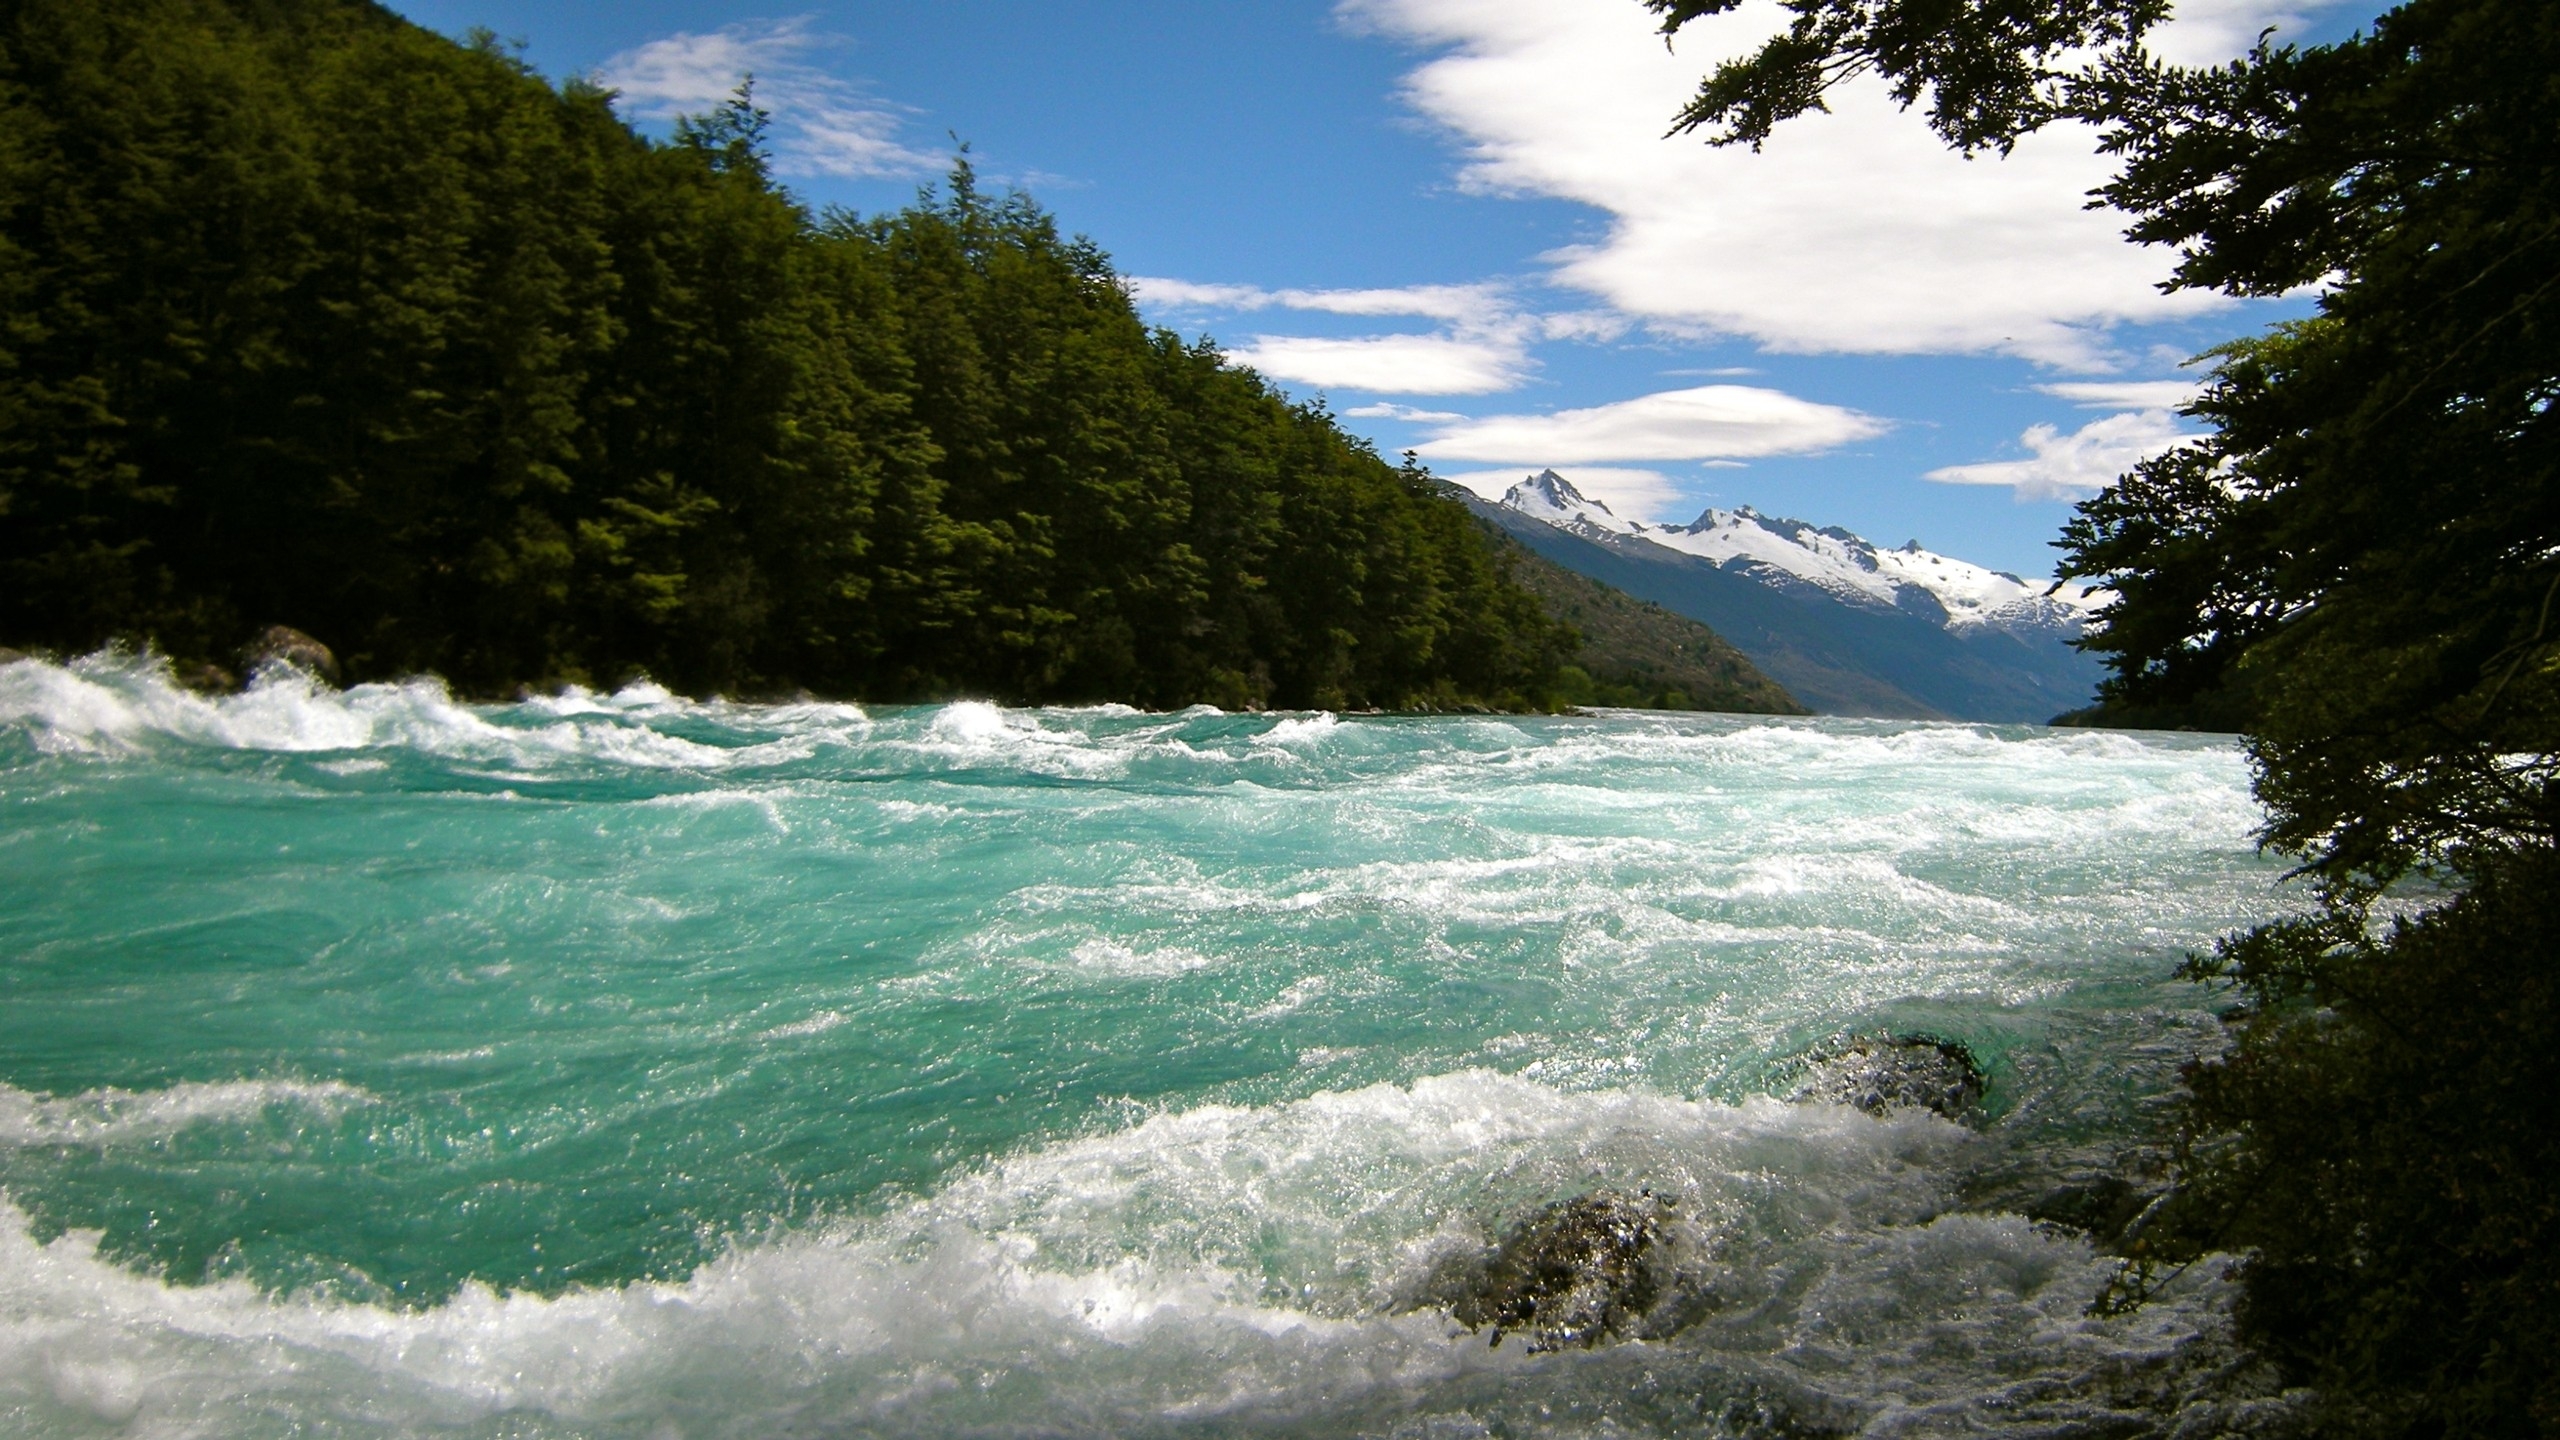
(311, 317)
(2357, 567)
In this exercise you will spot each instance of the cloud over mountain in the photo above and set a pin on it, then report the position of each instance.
(1700, 423)
(1390, 364)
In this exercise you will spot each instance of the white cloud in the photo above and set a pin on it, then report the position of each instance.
(2125, 394)
(1592, 325)
(1389, 410)
(1458, 304)
(1629, 494)
(1481, 347)
(1482, 344)
(1704, 423)
(1390, 364)
(2209, 32)
(846, 141)
(1855, 231)
(686, 73)
(1175, 294)
(822, 125)
(2067, 467)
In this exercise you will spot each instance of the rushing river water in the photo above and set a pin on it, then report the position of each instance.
(372, 1064)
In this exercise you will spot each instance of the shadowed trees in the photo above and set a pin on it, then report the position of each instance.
(2360, 567)
(310, 316)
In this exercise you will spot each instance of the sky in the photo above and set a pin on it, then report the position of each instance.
(1461, 224)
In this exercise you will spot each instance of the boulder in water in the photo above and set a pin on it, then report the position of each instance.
(1901, 1073)
(2106, 1208)
(1575, 1273)
(284, 645)
(205, 677)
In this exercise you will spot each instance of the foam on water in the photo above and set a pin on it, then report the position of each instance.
(628, 1065)
(109, 1116)
(114, 703)
(1216, 1265)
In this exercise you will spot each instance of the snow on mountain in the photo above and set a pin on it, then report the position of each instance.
(1852, 567)
(1550, 497)
(1969, 596)
(1847, 628)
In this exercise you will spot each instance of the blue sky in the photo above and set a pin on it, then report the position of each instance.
(1459, 221)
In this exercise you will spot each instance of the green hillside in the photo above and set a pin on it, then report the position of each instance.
(1637, 654)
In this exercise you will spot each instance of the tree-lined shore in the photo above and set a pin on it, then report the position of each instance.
(315, 318)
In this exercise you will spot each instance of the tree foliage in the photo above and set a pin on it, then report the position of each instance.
(309, 316)
(2360, 567)
(2379, 1140)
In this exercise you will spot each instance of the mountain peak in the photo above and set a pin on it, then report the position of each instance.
(1552, 498)
(1831, 558)
(1557, 490)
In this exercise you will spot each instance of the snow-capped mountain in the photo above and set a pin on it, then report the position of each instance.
(1849, 626)
(1831, 559)
(1550, 497)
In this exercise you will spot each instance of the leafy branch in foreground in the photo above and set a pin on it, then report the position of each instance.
(2359, 567)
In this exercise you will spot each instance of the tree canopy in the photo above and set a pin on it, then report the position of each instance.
(310, 316)
(2359, 567)
(2359, 561)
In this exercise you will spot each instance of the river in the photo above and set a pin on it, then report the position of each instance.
(373, 1064)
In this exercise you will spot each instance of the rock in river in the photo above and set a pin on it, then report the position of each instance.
(1575, 1273)
(1904, 1072)
(205, 677)
(284, 645)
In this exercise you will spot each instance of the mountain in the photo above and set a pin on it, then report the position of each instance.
(1848, 627)
(1637, 654)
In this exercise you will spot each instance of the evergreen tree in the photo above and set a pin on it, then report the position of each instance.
(308, 316)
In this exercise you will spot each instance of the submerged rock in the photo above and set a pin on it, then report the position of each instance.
(205, 677)
(2106, 1208)
(1901, 1073)
(284, 645)
(1575, 1273)
(1771, 1412)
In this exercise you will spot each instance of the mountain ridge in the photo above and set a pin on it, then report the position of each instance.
(1846, 626)
(1637, 654)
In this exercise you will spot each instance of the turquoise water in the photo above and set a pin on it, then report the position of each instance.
(372, 1064)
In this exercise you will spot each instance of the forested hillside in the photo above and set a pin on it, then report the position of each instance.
(1636, 653)
(309, 316)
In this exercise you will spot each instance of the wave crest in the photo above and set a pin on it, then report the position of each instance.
(1218, 1265)
(109, 1115)
(113, 703)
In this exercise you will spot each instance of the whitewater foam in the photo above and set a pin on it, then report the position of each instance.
(1220, 1264)
(712, 1068)
(108, 1115)
(113, 703)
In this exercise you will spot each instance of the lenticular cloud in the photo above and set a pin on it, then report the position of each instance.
(1853, 232)
(1703, 422)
